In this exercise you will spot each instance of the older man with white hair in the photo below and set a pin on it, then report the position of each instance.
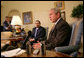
(60, 32)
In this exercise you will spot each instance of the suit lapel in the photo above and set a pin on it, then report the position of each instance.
(57, 25)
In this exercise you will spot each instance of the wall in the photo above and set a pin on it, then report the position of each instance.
(40, 11)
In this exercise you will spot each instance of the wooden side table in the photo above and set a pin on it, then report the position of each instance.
(17, 39)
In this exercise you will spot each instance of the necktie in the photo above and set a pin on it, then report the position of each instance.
(36, 32)
(53, 27)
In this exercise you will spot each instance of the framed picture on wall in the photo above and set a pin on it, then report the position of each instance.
(63, 15)
(27, 17)
(59, 4)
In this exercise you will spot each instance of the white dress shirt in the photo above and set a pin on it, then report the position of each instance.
(57, 21)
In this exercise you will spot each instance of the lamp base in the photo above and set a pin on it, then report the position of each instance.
(17, 30)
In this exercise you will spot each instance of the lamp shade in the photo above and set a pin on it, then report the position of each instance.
(16, 21)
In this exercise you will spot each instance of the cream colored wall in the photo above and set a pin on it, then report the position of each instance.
(40, 10)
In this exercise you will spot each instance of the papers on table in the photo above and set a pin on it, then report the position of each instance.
(12, 53)
(36, 51)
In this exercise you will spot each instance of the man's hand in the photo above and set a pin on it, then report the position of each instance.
(37, 45)
(31, 39)
(6, 28)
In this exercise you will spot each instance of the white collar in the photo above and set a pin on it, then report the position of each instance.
(37, 28)
(57, 21)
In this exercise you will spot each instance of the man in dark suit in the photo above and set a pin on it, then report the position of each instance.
(7, 24)
(60, 33)
(38, 33)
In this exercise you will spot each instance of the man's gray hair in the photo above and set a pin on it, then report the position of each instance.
(57, 10)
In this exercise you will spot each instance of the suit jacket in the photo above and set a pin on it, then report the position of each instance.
(59, 36)
(41, 33)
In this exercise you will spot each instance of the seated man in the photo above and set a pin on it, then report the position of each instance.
(7, 24)
(38, 33)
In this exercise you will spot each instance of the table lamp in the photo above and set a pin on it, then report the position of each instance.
(16, 23)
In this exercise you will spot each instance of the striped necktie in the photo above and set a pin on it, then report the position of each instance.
(53, 27)
(36, 32)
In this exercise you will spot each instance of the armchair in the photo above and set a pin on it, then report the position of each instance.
(74, 45)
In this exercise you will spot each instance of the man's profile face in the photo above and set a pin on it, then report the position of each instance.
(53, 17)
(37, 24)
(7, 19)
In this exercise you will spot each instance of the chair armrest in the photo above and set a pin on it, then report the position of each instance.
(67, 49)
(74, 54)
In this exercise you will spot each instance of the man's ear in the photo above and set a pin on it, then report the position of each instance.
(58, 14)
